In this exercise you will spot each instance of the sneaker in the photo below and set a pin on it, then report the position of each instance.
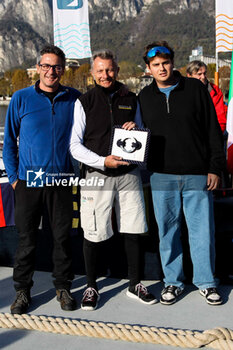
(169, 294)
(90, 299)
(66, 300)
(21, 303)
(211, 296)
(141, 293)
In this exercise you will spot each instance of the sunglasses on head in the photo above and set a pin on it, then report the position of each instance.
(157, 49)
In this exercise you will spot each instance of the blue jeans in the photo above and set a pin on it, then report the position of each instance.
(171, 195)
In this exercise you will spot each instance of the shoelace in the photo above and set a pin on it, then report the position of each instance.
(211, 292)
(22, 297)
(140, 288)
(65, 295)
(89, 294)
(170, 289)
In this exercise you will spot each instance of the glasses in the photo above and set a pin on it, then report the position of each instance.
(46, 67)
(157, 49)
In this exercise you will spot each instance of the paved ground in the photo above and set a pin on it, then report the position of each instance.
(191, 312)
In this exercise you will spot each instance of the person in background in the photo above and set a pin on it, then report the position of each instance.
(95, 114)
(186, 158)
(198, 69)
(41, 116)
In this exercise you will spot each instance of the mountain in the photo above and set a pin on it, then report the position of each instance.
(124, 26)
(24, 27)
(185, 24)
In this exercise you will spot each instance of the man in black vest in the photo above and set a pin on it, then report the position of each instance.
(186, 158)
(95, 114)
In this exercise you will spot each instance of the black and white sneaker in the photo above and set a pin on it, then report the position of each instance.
(169, 294)
(90, 299)
(141, 293)
(211, 296)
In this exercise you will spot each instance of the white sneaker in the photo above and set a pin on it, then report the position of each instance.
(211, 296)
(169, 294)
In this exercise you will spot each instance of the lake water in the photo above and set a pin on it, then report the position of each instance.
(3, 110)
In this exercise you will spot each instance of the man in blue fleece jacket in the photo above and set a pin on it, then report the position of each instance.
(40, 117)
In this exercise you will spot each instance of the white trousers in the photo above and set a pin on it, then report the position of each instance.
(123, 192)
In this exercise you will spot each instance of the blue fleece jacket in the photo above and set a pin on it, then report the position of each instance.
(43, 129)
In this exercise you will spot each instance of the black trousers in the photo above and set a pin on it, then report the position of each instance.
(29, 204)
(132, 249)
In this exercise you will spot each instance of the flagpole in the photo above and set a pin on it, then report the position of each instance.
(216, 75)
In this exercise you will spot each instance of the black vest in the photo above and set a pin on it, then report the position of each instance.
(104, 110)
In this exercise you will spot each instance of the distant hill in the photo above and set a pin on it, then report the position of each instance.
(124, 26)
(184, 31)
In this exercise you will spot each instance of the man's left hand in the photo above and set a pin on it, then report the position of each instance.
(129, 125)
(212, 181)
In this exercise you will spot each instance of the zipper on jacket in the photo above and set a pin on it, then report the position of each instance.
(168, 107)
(60, 93)
(110, 107)
(53, 108)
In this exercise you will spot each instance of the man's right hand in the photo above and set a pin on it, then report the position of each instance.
(14, 184)
(114, 162)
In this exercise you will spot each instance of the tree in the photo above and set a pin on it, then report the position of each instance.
(129, 69)
(35, 77)
(81, 77)
(68, 78)
(8, 74)
(225, 72)
(4, 87)
(8, 85)
(20, 80)
(211, 69)
(182, 71)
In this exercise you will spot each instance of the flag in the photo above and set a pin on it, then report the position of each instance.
(224, 25)
(71, 27)
(6, 205)
(229, 126)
